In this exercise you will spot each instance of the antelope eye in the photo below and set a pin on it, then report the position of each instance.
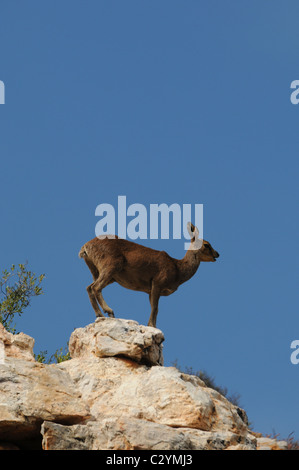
(206, 245)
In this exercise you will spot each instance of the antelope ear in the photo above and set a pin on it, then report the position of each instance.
(193, 231)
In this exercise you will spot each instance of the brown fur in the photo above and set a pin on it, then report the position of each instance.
(140, 268)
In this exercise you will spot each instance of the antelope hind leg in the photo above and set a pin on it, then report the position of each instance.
(104, 306)
(97, 287)
(93, 301)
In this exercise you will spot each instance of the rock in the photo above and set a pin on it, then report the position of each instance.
(240, 447)
(113, 394)
(59, 437)
(109, 337)
(164, 395)
(8, 446)
(19, 346)
(225, 440)
(136, 434)
(114, 434)
(266, 443)
(30, 393)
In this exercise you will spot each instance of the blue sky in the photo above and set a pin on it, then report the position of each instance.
(163, 102)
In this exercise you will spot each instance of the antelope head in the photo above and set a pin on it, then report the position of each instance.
(205, 250)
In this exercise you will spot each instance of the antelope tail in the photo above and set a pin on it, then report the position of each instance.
(82, 252)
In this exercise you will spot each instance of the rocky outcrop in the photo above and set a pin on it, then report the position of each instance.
(110, 337)
(31, 392)
(17, 346)
(112, 394)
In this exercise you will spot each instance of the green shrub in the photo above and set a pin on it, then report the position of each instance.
(17, 287)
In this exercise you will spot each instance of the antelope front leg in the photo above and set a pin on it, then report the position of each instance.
(154, 300)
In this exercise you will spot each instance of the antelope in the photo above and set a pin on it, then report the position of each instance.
(140, 268)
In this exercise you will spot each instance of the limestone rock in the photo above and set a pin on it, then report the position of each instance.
(164, 395)
(30, 393)
(109, 337)
(19, 346)
(114, 434)
(266, 443)
(113, 394)
(136, 434)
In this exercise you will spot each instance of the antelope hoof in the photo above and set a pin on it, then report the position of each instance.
(111, 314)
(99, 315)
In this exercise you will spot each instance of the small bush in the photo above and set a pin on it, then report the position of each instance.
(17, 287)
(59, 356)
